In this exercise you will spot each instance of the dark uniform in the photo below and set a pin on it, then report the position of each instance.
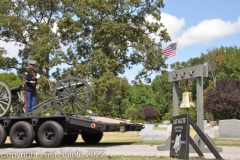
(30, 94)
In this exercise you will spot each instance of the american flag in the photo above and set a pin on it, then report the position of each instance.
(170, 50)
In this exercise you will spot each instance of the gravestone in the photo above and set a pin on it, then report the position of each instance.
(210, 132)
(166, 122)
(149, 135)
(162, 125)
(148, 127)
(229, 129)
(216, 128)
(205, 124)
(169, 128)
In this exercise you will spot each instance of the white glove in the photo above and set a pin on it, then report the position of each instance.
(38, 76)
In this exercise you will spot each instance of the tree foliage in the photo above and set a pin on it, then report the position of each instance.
(30, 23)
(162, 90)
(149, 112)
(102, 39)
(110, 36)
(224, 100)
(11, 79)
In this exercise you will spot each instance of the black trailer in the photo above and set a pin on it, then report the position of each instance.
(71, 98)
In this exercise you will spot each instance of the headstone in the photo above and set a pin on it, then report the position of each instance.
(210, 132)
(154, 135)
(148, 127)
(229, 129)
(205, 124)
(162, 125)
(169, 129)
(166, 122)
(213, 123)
(216, 128)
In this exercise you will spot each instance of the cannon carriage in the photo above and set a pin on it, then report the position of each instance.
(70, 96)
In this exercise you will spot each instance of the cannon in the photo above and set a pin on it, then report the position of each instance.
(70, 96)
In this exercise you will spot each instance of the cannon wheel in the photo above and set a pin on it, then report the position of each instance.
(5, 99)
(72, 96)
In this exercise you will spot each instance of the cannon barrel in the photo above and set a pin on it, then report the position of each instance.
(66, 85)
(17, 89)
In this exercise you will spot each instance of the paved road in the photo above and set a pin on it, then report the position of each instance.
(101, 150)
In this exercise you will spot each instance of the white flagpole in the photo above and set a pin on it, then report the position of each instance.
(176, 55)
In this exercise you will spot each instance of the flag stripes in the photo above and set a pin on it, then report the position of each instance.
(170, 50)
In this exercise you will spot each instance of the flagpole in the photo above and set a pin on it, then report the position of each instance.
(176, 55)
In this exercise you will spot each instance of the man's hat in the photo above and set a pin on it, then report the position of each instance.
(32, 62)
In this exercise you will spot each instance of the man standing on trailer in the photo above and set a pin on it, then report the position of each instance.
(30, 93)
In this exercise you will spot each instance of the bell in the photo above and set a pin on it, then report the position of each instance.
(187, 100)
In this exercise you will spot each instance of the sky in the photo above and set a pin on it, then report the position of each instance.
(196, 26)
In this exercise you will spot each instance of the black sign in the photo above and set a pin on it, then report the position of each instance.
(179, 146)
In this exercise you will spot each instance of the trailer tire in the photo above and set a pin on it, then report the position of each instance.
(50, 134)
(22, 134)
(69, 139)
(90, 138)
(3, 135)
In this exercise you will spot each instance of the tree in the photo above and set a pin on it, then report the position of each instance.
(108, 37)
(112, 36)
(104, 38)
(231, 62)
(224, 101)
(162, 90)
(149, 113)
(112, 92)
(11, 79)
(30, 23)
(214, 59)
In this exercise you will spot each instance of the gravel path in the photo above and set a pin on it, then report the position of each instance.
(230, 153)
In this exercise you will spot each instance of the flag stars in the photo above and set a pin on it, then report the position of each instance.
(183, 74)
(175, 75)
(191, 72)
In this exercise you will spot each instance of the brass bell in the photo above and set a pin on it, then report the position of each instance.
(187, 100)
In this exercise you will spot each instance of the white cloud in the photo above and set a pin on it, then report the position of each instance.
(204, 32)
(11, 48)
(171, 23)
(207, 31)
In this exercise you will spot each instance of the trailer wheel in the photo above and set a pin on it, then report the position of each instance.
(22, 134)
(50, 134)
(90, 138)
(70, 139)
(3, 135)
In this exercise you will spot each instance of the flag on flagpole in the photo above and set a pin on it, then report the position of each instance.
(170, 50)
